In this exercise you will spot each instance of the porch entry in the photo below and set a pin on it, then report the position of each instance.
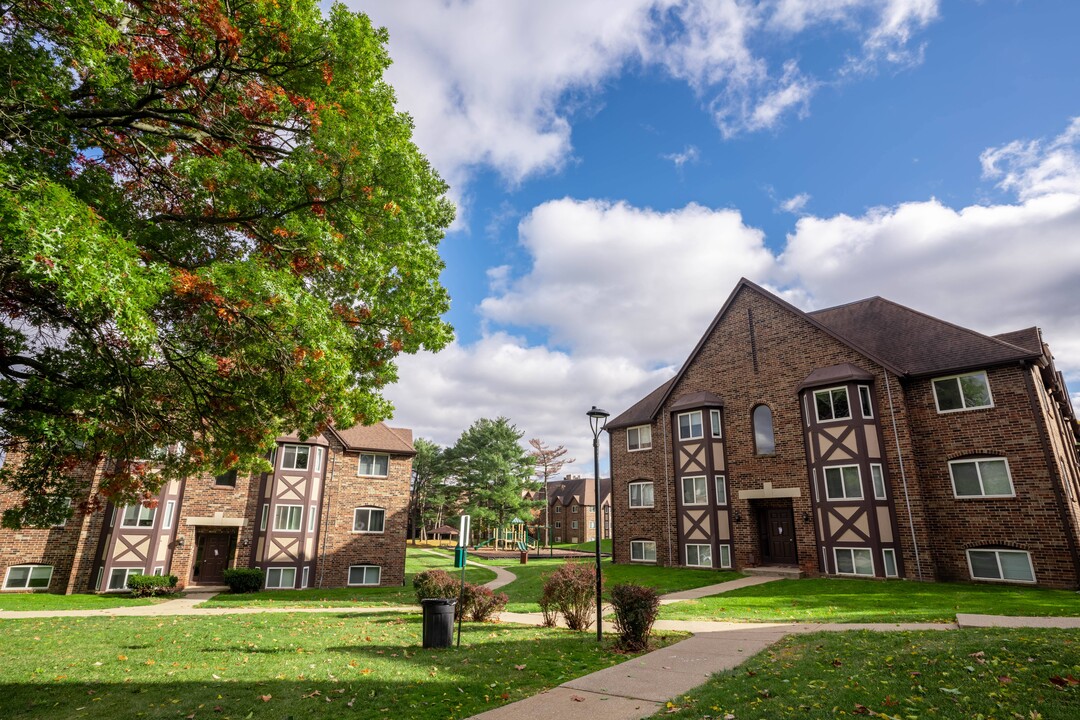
(776, 532)
(213, 555)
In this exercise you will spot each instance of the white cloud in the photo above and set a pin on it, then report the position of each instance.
(795, 204)
(1030, 169)
(495, 83)
(690, 155)
(603, 271)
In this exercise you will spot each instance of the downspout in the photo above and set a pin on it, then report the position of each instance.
(903, 476)
(325, 527)
(667, 486)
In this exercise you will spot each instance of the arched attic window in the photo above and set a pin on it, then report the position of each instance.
(764, 442)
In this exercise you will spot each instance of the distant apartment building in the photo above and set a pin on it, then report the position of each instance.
(571, 509)
(332, 513)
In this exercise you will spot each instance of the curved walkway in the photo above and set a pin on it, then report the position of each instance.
(502, 575)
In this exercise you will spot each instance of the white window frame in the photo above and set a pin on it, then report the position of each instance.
(641, 494)
(854, 565)
(643, 545)
(366, 568)
(140, 515)
(690, 429)
(866, 404)
(167, 516)
(573, 509)
(573, 525)
(317, 465)
(265, 516)
(368, 509)
(977, 461)
(29, 577)
(698, 547)
(704, 483)
(311, 520)
(716, 429)
(295, 454)
(373, 473)
(720, 487)
(159, 570)
(304, 576)
(640, 444)
(558, 509)
(558, 524)
(281, 570)
(959, 386)
(832, 408)
(725, 556)
(888, 557)
(997, 557)
(128, 572)
(877, 476)
(288, 516)
(843, 485)
(592, 524)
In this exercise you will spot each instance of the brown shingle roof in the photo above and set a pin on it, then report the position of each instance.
(1028, 339)
(915, 342)
(578, 489)
(377, 437)
(834, 374)
(643, 411)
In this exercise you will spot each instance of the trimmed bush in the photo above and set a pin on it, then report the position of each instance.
(548, 607)
(481, 604)
(435, 584)
(636, 608)
(244, 580)
(572, 590)
(152, 585)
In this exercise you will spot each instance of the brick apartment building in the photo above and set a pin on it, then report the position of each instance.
(331, 514)
(571, 509)
(865, 440)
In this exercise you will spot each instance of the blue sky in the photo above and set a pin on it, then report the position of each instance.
(619, 164)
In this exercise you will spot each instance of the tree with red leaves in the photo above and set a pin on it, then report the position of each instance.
(214, 228)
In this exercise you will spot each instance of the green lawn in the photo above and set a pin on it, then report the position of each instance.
(1003, 674)
(843, 600)
(524, 593)
(416, 560)
(284, 665)
(605, 546)
(48, 601)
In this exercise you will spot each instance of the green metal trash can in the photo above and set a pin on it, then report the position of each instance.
(438, 622)
(459, 556)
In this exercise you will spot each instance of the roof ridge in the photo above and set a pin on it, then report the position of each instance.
(843, 305)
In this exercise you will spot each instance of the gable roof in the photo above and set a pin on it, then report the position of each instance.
(903, 341)
(379, 436)
(581, 490)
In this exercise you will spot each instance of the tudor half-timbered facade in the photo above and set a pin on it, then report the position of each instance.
(331, 513)
(863, 440)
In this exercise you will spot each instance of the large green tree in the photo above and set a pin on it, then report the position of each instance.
(493, 472)
(215, 228)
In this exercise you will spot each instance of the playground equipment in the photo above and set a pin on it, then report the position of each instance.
(515, 536)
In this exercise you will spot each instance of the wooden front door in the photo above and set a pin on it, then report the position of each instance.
(777, 531)
(212, 556)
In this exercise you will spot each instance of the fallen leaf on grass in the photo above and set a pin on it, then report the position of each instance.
(861, 709)
(1004, 679)
(519, 667)
(265, 698)
(1064, 681)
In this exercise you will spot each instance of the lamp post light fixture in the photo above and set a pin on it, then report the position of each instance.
(598, 421)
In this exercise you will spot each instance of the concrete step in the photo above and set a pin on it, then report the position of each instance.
(785, 571)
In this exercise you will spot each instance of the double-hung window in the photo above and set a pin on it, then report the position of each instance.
(695, 490)
(714, 424)
(962, 392)
(641, 495)
(981, 477)
(639, 438)
(374, 465)
(832, 404)
(690, 426)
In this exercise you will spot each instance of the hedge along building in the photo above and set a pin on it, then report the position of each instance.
(332, 513)
(867, 440)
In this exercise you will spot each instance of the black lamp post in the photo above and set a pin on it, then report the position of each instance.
(597, 421)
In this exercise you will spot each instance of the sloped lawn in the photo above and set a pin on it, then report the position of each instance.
(285, 665)
(846, 601)
(955, 675)
(416, 561)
